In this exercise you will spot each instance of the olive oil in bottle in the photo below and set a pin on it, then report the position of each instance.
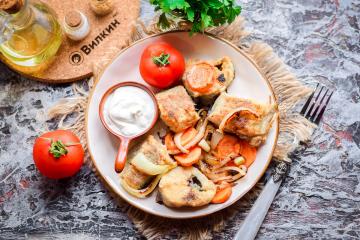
(30, 35)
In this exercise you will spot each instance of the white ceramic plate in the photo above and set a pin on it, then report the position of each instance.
(248, 83)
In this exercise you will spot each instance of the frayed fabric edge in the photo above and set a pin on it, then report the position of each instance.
(293, 127)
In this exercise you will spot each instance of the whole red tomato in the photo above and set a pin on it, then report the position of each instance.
(161, 65)
(58, 154)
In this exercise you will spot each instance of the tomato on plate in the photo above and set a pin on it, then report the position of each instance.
(58, 154)
(161, 65)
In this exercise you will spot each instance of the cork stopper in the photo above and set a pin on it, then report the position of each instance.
(73, 19)
(102, 7)
(11, 6)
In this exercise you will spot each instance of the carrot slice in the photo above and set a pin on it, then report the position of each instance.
(188, 159)
(248, 152)
(231, 164)
(228, 146)
(200, 77)
(222, 195)
(186, 137)
(169, 142)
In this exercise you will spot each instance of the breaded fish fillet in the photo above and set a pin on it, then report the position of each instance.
(177, 109)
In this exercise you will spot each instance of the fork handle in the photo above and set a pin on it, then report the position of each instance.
(252, 223)
(256, 216)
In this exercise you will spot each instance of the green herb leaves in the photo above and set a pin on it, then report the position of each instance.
(169, 5)
(201, 13)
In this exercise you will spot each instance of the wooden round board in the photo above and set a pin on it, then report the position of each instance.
(109, 34)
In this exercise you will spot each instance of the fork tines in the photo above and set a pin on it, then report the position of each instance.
(315, 106)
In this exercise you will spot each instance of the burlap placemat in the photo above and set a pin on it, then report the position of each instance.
(293, 128)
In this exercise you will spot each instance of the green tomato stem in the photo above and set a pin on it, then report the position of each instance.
(58, 149)
(161, 60)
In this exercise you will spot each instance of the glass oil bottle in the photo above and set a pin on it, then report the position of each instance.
(30, 35)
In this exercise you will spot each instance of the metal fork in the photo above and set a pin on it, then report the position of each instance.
(313, 110)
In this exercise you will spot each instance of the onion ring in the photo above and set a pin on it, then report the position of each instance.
(215, 178)
(223, 162)
(177, 140)
(204, 168)
(144, 165)
(198, 137)
(141, 193)
(212, 160)
(204, 145)
(215, 139)
(227, 168)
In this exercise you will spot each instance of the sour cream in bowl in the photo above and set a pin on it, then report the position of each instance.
(128, 110)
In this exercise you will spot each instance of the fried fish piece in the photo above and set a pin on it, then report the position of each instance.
(134, 178)
(155, 152)
(186, 186)
(177, 109)
(207, 79)
(246, 118)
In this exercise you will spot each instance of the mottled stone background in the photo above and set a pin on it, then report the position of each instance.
(318, 39)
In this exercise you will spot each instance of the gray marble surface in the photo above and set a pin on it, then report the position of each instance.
(320, 199)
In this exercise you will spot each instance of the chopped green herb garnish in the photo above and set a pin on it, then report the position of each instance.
(202, 14)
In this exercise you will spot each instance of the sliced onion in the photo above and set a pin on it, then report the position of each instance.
(218, 178)
(204, 168)
(223, 162)
(230, 114)
(224, 184)
(204, 145)
(177, 140)
(209, 132)
(144, 165)
(236, 177)
(221, 175)
(228, 168)
(239, 160)
(174, 152)
(199, 135)
(210, 159)
(141, 193)
(215, 139)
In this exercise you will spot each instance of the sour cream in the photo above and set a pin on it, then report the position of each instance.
(129, 111)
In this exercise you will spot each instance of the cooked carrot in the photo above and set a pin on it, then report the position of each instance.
(228, 146)
(169, 142)
(248, 152)
(186, 137)
(188, 159)
(231, 164)
(222, 195)
(200, 77)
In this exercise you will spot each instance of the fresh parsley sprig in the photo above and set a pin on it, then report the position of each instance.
(201, 13)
